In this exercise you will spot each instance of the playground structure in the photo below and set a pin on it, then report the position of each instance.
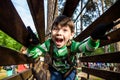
(10, 20)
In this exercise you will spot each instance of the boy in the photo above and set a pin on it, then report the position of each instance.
(64, 48)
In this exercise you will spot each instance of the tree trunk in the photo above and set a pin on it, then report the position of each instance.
(52, 12)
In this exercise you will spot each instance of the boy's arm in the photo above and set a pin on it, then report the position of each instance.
(34, 49)
(38, 50)
(97, 35)
(89, 46)
(33, 52)
(32, 43)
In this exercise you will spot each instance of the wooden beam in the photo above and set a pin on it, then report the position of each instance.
(111, 14)
(14, 77)
(10, 57)
(115, 37)
(11, 23)
(37, 11)
(70, 7)
(26, 74)
(106, 58)
(107, 75)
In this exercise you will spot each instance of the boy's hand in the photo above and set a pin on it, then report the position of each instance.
(100, 30)
(32, 39)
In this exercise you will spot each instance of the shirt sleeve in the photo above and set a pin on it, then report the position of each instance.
(38, 50)
(89, 46)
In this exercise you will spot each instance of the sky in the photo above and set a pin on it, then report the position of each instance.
(23, 10)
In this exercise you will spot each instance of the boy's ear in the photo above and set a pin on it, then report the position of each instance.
(72, 35)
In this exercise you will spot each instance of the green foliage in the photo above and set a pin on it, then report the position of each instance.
(86, 19)
(8, 42)
(111, 48)
(101, 50)
(98, 51)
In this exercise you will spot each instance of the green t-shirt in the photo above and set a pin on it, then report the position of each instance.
(59, 54)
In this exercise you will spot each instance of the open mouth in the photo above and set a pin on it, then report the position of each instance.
(59, 40)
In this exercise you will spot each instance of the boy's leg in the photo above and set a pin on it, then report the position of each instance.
(71, 76)
(55, 75)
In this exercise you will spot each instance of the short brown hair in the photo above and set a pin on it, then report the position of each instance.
(63, 21)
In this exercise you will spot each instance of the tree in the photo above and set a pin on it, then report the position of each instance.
(52, 12)
(7, 41)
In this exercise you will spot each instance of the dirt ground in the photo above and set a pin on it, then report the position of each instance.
(2, 74)
(81, 74)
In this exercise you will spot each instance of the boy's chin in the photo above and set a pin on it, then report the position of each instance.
(59, 46)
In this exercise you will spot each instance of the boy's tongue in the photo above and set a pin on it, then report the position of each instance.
(58, 41)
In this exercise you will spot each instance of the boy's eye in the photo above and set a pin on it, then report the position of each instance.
(65, 30)
(55, 28)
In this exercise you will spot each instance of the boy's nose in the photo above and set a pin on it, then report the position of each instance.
(59, 32)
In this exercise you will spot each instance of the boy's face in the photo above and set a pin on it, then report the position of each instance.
(61, 35)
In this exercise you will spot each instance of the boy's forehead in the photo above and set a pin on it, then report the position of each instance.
(60, 26)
